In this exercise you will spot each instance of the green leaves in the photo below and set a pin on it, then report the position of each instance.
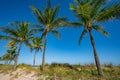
(11, 44)
(56, 33)
(72, 7)
(101, 30)
(82, 10)
(74, 24)
(97, 6)
(59, 22)
(54, 13)
(36, 44)
(96, 10)
(38, 14)
(3, 37)
(109, 14)
(84, 32)
(9, 31)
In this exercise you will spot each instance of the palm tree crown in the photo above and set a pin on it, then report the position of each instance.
(92, 12)
(18, 34)
(48, 18)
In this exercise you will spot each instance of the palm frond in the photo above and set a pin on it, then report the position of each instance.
(11, 44)
(2, 37)
(109, 13)
(98, 3)
(56, 33)
(72, 7)
(96, 7)
(101, 30)
(39, 14)
(35, 30)
(74, 24)
(82, 35)
(9, 31)
(82, 10)
(59, 22)
(47, 13)
(54, 13)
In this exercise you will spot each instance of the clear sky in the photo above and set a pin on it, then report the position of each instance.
(66, 49)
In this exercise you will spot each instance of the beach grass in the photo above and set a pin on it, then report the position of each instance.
(56, 71)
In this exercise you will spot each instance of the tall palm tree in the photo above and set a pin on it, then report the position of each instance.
(48, 18)
(91, 13)
(20, 33)
(36, 46)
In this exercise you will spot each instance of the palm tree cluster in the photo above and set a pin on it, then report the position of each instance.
(91, 13)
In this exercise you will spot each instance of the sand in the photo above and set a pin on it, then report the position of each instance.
(18, 74)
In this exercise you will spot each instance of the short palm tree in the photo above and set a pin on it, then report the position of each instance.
(11, 51)
(6, 58)
(20, 33)
(10, 55)
(48, 18)
(91, 13)
(36, 46)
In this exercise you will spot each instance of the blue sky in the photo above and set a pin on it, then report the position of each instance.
(66, 49)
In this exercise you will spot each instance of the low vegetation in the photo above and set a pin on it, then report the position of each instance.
(56, 71)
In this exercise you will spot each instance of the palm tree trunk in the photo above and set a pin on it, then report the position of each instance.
(16, 58)
(34, 58)
(44, 51)
(100, 72)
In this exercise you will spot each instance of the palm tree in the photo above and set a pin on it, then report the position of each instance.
(48, 18)
(37, 46)
(11, 54)
(91, 13)
(11, 51)
(20, 33)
